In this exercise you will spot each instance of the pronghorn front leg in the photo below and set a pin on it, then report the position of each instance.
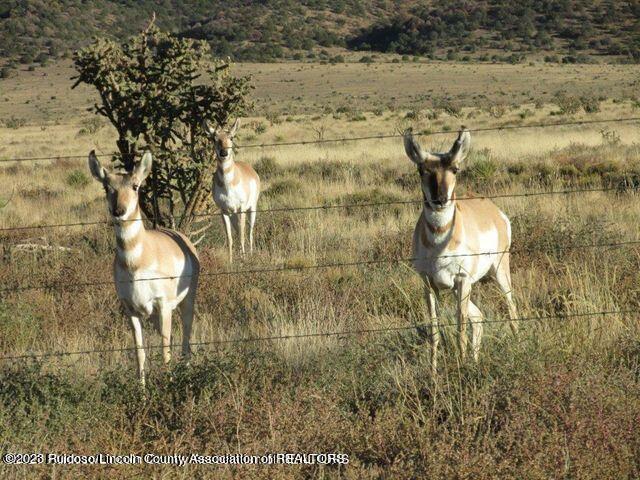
(136, 327)
(187, 308)
(435, 330)
(165, 330)
(242, 219)
(475, 318)
(463, 291)
(227, 226)
(252, 222)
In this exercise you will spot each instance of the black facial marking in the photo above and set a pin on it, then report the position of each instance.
(433, 185)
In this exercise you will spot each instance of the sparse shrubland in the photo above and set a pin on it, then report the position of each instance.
(562, 400)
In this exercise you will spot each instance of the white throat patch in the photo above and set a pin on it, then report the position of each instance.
(129, 229)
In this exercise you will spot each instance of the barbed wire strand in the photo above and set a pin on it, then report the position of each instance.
(337, 206)
(442, 132)
(60, 286)
(311, 335)
(362, 138)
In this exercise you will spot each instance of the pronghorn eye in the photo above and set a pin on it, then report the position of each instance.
(454, 170)
(135, 187)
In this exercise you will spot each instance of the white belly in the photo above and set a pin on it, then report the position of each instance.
(144, 290)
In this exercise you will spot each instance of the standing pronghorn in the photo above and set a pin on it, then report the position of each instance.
(455, 244)
(155, 271)
(236, 187)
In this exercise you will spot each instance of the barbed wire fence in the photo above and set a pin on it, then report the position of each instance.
(327, 207)
(285, 268)
(357, 263)
(380, 136)
(363, 331)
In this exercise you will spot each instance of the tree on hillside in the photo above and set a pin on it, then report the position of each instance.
(156, 89)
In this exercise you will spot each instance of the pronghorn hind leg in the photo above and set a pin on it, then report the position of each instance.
(187, 310)
(252, 222)
(242, 219)
(227, 228)
(165, 331)
(475, 318)
(463, 291)
(434, 333)
(503, 277)
(136, 328)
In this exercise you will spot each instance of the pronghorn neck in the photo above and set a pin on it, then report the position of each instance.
(439, 223)
(226, 170)
(129, 238)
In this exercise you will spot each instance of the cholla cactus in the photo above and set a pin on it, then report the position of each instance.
(156, 90)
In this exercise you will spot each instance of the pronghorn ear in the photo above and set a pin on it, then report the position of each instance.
(234, 129)
(460, 148)
(207, 128)
(143, 167)
(97, 170)
(411, 147)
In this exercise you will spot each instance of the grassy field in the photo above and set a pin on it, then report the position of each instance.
(45, 95)
(562, 400)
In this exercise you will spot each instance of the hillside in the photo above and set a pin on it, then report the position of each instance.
(574, 28)
(570, 30)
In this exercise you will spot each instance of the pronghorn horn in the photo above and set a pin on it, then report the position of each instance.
(234, 129)
(207, 128)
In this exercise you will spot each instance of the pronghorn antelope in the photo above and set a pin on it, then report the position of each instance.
(456, 243)
(155, 271)
(236, 187)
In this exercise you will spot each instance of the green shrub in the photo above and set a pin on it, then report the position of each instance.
(91, 126)
(590, 104)
(567, 104)
(449, 106)
(266, 167)
(260, 128)
(526, 113)
(6, 72)
(413, 114)
(153, 99)
(482, 167)
(357, 117)
(14, 122)
(284, 187)
(273, 118)
(610, 137)
(78, 179)
(368, 197)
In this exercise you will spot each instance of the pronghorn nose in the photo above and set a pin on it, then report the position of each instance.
(118, 212)
(224, 153)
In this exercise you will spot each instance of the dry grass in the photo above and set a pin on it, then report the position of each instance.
(563, 400)
(44, 95)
